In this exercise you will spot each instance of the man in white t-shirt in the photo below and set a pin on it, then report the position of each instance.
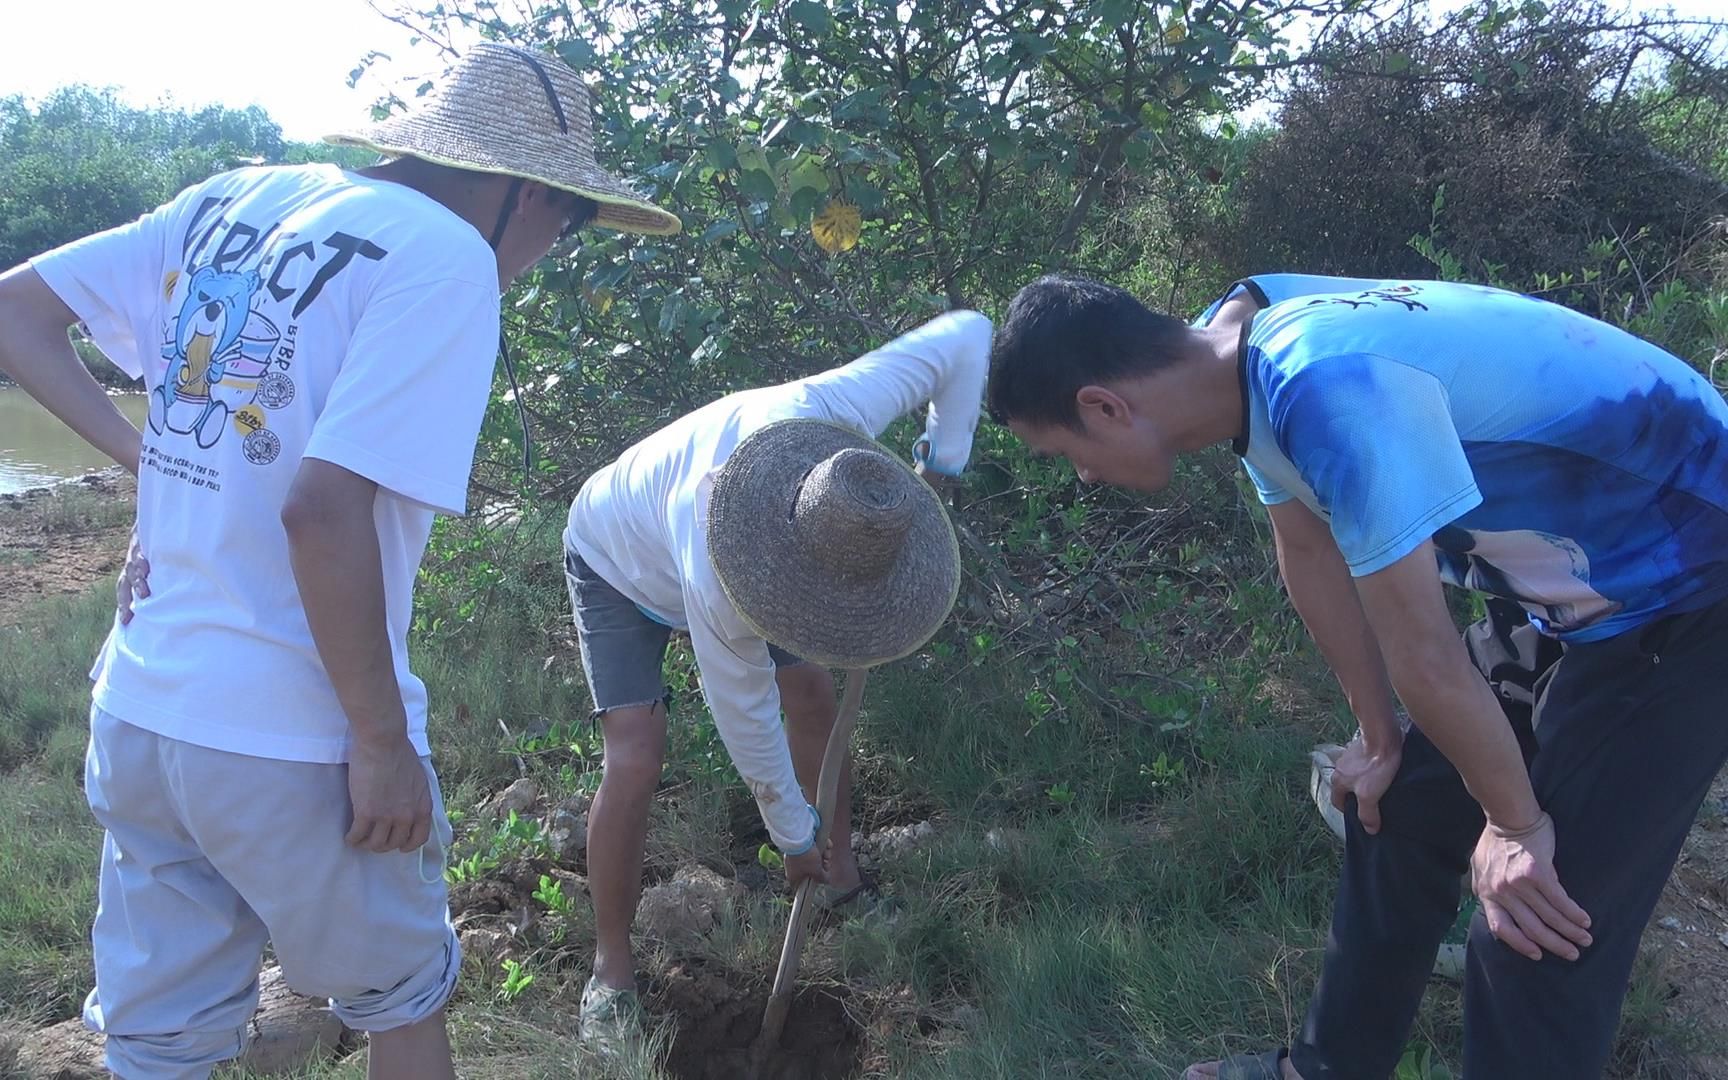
(318, 347)
(638, 563)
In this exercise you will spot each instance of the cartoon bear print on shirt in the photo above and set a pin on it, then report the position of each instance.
(218, 350)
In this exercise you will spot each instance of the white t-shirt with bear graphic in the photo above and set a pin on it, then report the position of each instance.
(276, 314)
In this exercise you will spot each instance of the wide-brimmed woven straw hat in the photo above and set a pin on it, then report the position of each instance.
(515, 112)
(829, 546)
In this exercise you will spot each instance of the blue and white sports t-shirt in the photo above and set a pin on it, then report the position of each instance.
(1553, 459)
(1269, 289)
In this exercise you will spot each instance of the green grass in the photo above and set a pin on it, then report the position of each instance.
(44, 689)
(1079, 913)
(48, 850)
(73, 508)
(48, 842)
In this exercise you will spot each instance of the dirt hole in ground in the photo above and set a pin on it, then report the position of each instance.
(716, 1023)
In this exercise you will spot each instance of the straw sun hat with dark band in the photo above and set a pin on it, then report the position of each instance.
(518, 113)
(829, 546)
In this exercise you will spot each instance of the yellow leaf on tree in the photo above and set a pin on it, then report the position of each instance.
(837, 227)
(601, 299)
(1176, 33)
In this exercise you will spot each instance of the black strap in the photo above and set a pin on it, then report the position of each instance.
(546, 84)
(521, 407)
(497, 237)
(504, 211)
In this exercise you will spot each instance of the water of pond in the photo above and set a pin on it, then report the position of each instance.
(37, 449)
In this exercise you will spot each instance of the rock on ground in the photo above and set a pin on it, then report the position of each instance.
(894, 841)
(288, 1032)
(688, 906)
(519, 797)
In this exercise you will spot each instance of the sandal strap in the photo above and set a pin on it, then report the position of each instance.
(866, 886)
(1266, 1065)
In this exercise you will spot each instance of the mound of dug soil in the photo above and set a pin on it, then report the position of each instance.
(717, 1020)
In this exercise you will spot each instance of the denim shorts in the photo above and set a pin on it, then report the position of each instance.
(623, 650)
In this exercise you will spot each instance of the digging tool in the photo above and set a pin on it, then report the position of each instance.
(827, 787)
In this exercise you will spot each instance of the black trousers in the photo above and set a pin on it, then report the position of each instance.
(1623, 738)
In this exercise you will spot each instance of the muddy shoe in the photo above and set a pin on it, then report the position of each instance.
(610, 1021)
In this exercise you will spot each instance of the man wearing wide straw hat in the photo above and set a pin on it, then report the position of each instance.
(319, 348)
(772, 529)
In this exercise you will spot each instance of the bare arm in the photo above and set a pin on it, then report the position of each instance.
(333, 546)
(1447, 697)
(1513, 865)
(36, 353)
(1324, 595)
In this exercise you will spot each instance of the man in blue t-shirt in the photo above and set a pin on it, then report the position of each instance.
(1575, 474)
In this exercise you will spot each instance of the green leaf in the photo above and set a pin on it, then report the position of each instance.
(719, 230)
(672, 312)
(758, 185)
(808, 174)
(577, 53)
(711, 349)
(1033, 45)
(608, 276)
(806, 201)
(1397, 63)
(722, 155)
(867, 197)
(812, 16)
(1113, 13)
(805, 133)
(861, 104)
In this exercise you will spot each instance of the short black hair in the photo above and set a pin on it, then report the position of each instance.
(1064, 332)
(583, 210)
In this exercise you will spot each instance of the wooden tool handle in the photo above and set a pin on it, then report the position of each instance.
(827, 789)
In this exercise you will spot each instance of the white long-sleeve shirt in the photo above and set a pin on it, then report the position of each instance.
(641, 523)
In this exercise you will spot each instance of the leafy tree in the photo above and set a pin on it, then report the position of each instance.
(1522, 133)
(978, 143)
(82, 161)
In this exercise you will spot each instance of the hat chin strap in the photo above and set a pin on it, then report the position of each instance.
(563, 127)
(497, 237)
(504, 211)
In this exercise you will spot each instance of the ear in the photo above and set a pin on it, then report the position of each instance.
(201, 275)
(1102, 405)
(531, 192)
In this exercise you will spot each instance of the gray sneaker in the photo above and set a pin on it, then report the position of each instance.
(610, 1020)
(1322, 763)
